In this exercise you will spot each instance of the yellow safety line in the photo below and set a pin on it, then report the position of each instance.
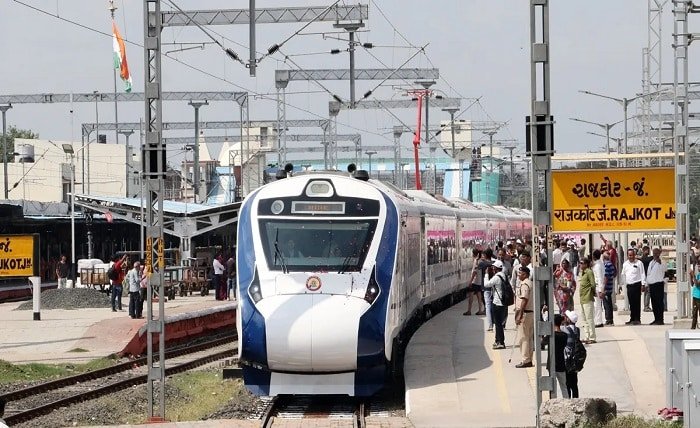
(500, 379)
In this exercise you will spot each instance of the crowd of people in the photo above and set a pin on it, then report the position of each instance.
(584, 288)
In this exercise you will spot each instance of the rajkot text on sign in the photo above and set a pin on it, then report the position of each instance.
(641, 199)
(19, 255)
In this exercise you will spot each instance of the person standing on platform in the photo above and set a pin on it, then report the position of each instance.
(696, 298)
(560, 339)
(475, 285)
(62, 272)
(496, 283)
(610, 274)
(646, 258)
(572, 333)
(143, 290)
(564, 286)
(656, 277)
(586, 289)
(230, 275)
(133, 280)
(484, 264)
(524, 317)
(116, 293)
(219, 270)
(633, 275)
(598, 269)
(556, 255)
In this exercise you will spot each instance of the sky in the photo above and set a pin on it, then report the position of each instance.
(480, 47)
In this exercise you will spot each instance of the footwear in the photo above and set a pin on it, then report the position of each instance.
(599, 326)
(647, 309)
(481, 313)
(114, 310)
(656, 323)
(523, 365)
(499, 346)
(629, 322)
(590, 342)
(609, 323)
(636, 322)
(467, 313)
(489, 329)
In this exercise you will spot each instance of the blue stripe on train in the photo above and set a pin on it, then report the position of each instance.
(254, 342)
(369, 376)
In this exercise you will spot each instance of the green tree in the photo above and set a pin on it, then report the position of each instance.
(12, 133)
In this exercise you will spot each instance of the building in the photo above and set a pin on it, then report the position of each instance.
(42, 170)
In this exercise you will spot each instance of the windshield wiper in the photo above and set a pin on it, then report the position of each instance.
(346, 263)
(278, 253)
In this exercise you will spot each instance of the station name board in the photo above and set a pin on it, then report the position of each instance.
(640, 199)
(19, 255)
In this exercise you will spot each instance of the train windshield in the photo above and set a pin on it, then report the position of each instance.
(316, 245)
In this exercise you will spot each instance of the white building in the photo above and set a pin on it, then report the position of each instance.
(466, 137)
(42, 170)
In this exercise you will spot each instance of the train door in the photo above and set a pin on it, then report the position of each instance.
(423, 255)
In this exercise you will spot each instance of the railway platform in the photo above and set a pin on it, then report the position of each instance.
(80, 335)
(455, 379)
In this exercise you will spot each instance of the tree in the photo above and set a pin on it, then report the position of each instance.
(12, 133)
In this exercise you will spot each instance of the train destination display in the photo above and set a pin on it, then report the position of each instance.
(613, 200)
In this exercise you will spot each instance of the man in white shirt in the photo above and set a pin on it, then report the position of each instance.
(635, 279)
(599, 273)
(556, 255)
(656, 273)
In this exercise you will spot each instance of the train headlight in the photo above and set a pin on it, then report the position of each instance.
(254, 290)
(319, 188)
(372, 289)
(277, 207)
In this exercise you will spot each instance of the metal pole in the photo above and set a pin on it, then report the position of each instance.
(195, 184)
(251, 38)
(97, 138)
(625, 103)
(72, 212)
(540, 123)
(607, 136)
(4, 109)
(352, 67)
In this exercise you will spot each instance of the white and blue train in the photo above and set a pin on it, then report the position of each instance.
(335, 272)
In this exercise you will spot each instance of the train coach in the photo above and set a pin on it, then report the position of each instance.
(335, 272)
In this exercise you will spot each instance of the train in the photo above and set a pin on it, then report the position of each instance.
(336, 271)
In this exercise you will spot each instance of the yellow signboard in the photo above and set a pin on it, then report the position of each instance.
(19, 255)
(640, 199)
(149, 252)
(161, 254)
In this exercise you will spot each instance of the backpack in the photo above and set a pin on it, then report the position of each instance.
(507, 297)
(112, 273)
(575, 355)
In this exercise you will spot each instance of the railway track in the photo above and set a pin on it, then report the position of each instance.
(38, 400)
(314, 407)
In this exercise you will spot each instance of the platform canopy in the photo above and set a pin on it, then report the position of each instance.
(181, 219)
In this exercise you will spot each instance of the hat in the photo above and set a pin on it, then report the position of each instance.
(498, 264)
(572, 316)
(518, 241)
(524, 269)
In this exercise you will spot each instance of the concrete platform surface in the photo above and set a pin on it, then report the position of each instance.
(97, 332)
(455, 379)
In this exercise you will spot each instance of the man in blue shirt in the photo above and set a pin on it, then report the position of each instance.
(696, 299)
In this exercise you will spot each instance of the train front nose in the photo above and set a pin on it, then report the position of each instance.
(312, 332)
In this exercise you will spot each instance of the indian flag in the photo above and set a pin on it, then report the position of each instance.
(120, 57)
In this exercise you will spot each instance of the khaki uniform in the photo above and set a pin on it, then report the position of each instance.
(526, 328)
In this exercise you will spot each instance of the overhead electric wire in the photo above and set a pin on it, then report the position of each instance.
(259, 95)
(276, 47)
(228, 51)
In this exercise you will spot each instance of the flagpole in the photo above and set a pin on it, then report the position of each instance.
(112, 9)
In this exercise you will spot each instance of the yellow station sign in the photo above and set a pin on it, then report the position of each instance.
(640, 199)
(19, 255)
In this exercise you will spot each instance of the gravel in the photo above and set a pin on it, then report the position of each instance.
(131, 406)
(70, 298)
